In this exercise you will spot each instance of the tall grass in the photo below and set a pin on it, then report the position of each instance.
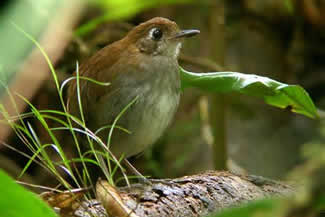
(64, 167)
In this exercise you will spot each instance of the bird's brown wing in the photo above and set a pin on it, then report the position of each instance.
(99, 68)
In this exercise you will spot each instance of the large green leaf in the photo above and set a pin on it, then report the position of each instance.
(15, 201)
(275, 93)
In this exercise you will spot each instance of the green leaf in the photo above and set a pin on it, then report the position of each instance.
(15, 201)
(273, 92)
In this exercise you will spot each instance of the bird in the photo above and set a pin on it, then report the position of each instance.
(143, 72)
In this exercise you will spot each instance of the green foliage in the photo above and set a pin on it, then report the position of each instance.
(273, 92)
(15, 201)
(121, 9)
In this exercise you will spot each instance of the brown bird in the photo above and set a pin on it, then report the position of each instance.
(142, 66)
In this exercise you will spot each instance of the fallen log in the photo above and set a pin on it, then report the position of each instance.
(197, 195)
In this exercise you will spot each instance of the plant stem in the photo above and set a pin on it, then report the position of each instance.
(217, 102)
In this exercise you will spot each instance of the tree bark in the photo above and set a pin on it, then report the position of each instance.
(197, 195)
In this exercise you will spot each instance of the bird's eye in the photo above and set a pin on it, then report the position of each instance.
(156, 34)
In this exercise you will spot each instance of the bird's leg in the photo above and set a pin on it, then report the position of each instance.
(141, 178)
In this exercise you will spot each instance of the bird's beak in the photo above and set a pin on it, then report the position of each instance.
(185, 33)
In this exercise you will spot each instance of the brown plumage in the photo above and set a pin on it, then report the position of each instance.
(143, 64)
